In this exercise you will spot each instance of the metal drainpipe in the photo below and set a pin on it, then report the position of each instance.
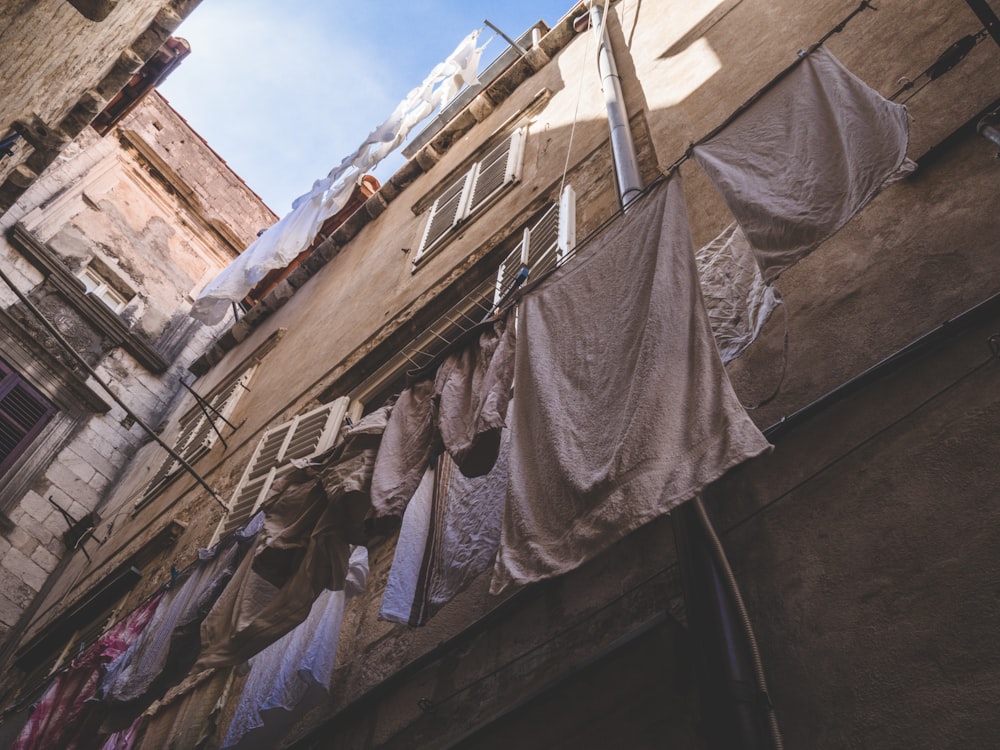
(987, 127)
(622, 145)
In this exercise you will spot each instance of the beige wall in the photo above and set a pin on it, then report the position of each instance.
(858, 540)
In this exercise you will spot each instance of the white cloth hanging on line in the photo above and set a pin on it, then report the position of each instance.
(282, 242)
(738, 300)
(805, 158)
(294, 673)
(622, 408)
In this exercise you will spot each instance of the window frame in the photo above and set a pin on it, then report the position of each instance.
(10, 381)
(198, 433)
(463, 193)
(283, 445)
(99, 287)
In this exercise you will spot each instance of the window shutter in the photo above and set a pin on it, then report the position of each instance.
(500, 167)
(197, 435)
(548, 241)
(445, 213)
(303, 437)
(24, 412)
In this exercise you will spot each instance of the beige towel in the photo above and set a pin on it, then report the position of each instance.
(459, 406)
(805, 158)
(623, 408)
(301, 550)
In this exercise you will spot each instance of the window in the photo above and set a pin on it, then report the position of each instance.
(304, 436)
(544, 246)
(199, 430)
(24, 412)
(551, 239)
(474, 191)
(98, 286)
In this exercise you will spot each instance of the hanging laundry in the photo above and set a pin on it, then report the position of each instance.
(280, 244)
(805, 158)
(165, 651)
(472, 388)
(127, 738)
(623, 407)
(301, 550)
(187, 717)
(459, 406)
(64, 717)
(450, 534)
(293, 674)
(738, 300)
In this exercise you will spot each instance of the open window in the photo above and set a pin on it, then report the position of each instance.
(200, 428)
(474, 191)
(302, 437)
(544, 245)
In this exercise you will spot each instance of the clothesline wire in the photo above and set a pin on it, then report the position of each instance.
(515, 294)
(802, 55)
(576, 115)
(511, 295)
(947, 60)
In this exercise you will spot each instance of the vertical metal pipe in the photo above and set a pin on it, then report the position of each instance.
(622, 145)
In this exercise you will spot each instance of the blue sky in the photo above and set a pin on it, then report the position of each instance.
(283, 91)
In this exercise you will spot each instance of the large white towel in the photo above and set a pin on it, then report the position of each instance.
(294, 673)
(805, 158)
(622, 407)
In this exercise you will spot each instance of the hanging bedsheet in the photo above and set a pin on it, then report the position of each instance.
(303, 548)
(623, 407)
(450, 534)
(165, 651)
(460, 407)
(805, 158)
(64, 718)
(293, 674)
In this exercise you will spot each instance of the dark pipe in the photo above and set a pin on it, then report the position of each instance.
(734, 713)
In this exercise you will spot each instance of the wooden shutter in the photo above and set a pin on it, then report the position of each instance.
(197, 435)
(24, 412)
(302, 437)
(499, 168)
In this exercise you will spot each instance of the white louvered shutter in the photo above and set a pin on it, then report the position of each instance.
(302, 437)
(548, 240)
(445, 213)
(197, 435)
(499, 168)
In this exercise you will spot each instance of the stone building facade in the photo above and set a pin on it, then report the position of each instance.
(111, 245)
(863, 543)
(57, 81)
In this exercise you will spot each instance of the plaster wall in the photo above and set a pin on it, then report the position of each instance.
(863, 542)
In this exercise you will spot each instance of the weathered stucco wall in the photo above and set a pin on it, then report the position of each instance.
(863, 542)
(136, 208)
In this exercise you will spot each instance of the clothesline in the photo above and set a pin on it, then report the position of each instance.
(590, 501)
(802, 55)
(510, 295)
